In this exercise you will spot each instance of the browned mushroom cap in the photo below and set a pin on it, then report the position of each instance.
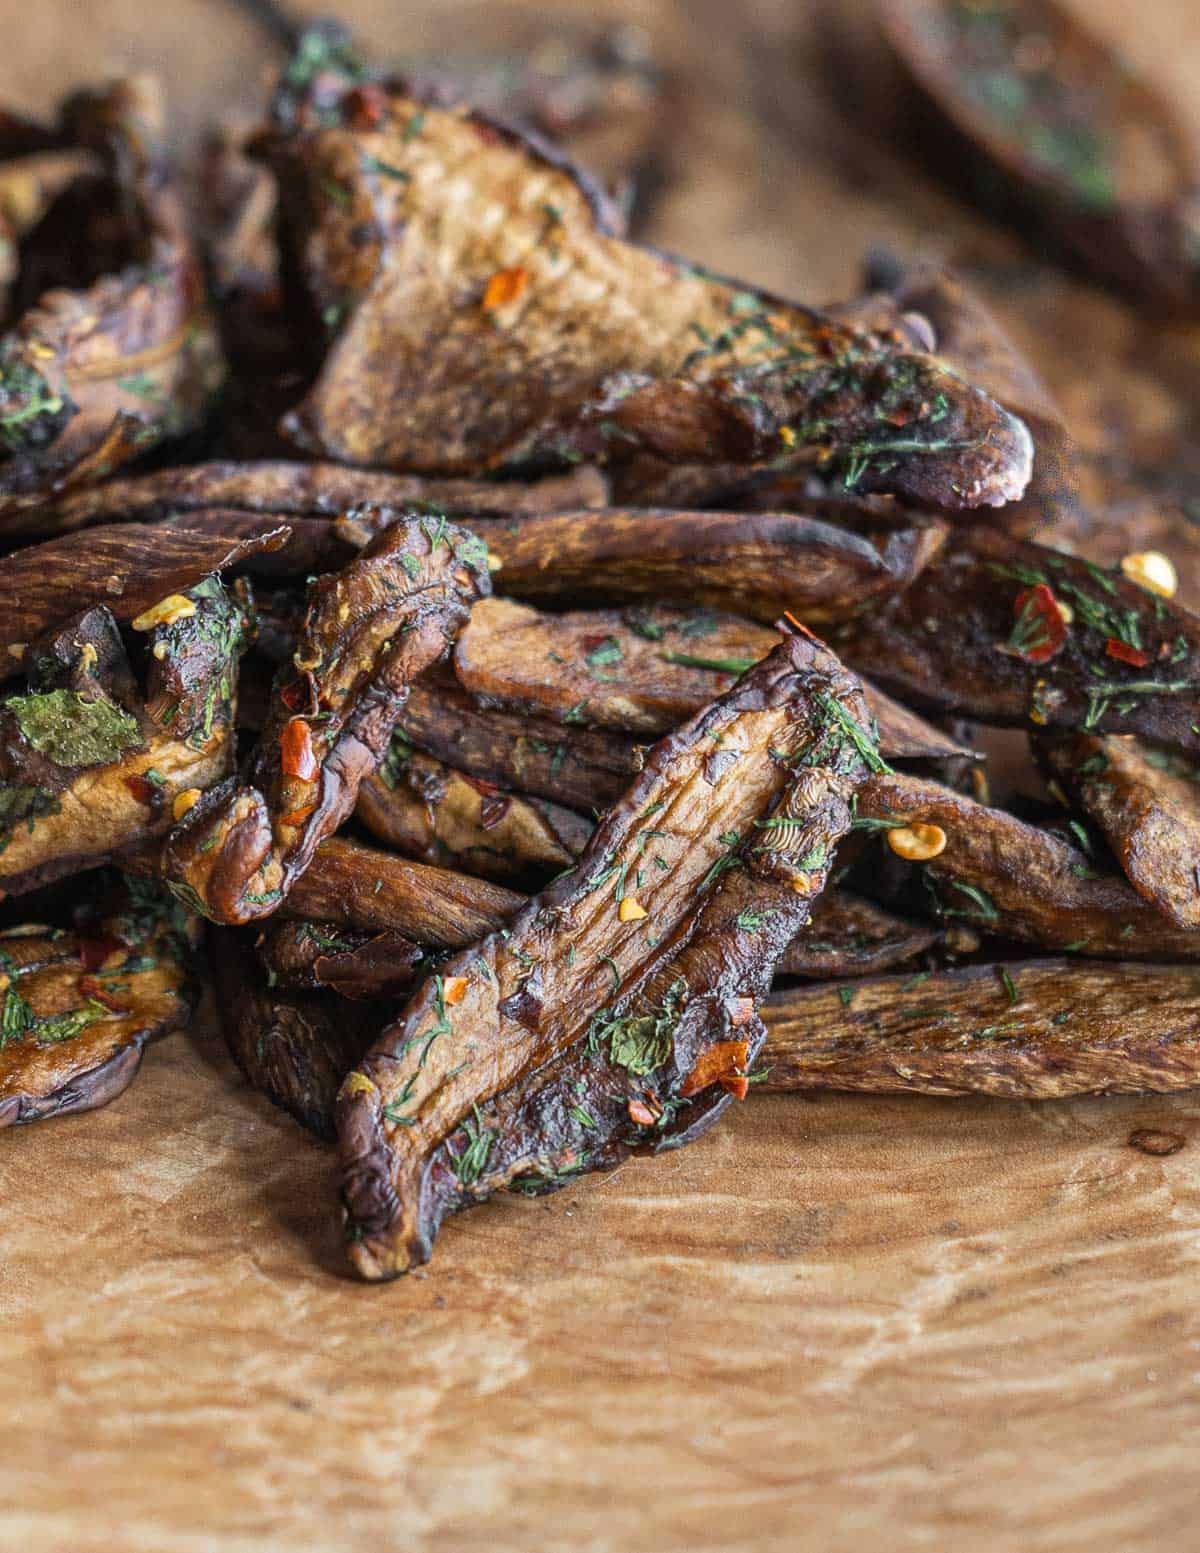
(126, 568)
(1009, 878)
(848, 935)
(275, 487)
(759, 565)
(351, 885)
(77, 1009)
(1147, 803)
(369, 630)
(92, 763)
(427, 810)
(1062, 118)
(98, 370)
(294, 1047)
(317, 956)
(479, 311)
(760, 779)
(1006, 632)
(639, 670)
(1023, 1030)
(580, 768)
(971, 339)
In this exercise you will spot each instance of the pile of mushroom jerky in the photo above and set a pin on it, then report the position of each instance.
(545, 685)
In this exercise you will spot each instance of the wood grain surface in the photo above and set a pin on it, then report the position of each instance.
(833, 1324)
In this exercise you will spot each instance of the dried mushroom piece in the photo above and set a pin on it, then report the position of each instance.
(293, 1047)
(1147, 803)
(848, 935)
(1021, 1030)
(639, 670)
(368, 631)
(92, 763)
(580, 768)
(973, 341)
(1004, 631)
(114, 349)
(479, 310)
(351, 885)
(77, 1008)
(125, 568)
(429, 811)
(317, 956)
(759, 565)
(760, 780)
(275, 487)
(1106, 161)
(1005, 877)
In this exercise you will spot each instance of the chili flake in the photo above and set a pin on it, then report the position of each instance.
(720, 1063)
(296, 751)
(505, 287)
(1124, 653)
(1040, 627)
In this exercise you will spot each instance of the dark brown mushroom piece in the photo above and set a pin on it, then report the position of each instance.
(1146, 801)
(1009, 632)
(580, 768)
(973, 341)
(77, 1008)
(848, 935)
(317, 957)
(294, 1047)
(427, 810)
(925, 306)
(274, 487)
(551, 339)
(1098, 156)
(113, 349)
(1020, 1030)
(1005, 877)
(639, 670)
(760, 781)
(759, 566)
(126, 569)
(355, 886)
(95, 759)
(368, 631)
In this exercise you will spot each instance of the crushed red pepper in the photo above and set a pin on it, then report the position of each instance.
(1124, 653)
(296, 751)
(1040, 627)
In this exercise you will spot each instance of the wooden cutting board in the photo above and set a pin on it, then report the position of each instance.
(833, 1324)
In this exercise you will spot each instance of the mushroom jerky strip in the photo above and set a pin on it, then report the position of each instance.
(760, 780)
(368, 631)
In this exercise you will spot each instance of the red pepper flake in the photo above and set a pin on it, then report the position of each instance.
(798, 628)
(1040, 627)
(295, 695)
(1124, 653)
(298, 816)
(725, 1060)
(102, 953)
(741, 1011)
(296, 751)
(641, 1113)
(365, 106)
(505, 288)
(142, 790)
(91, 988)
